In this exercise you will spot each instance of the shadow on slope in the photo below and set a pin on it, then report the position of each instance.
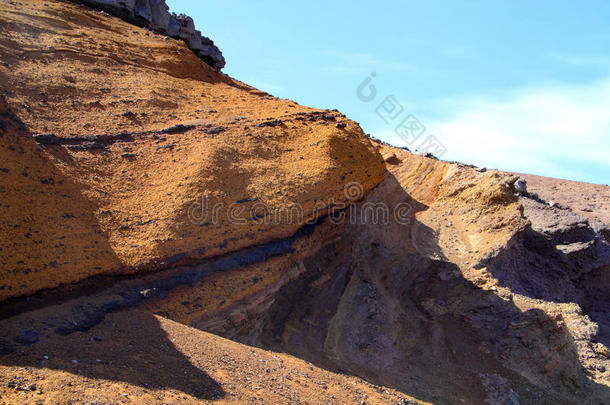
(567, 262)
(48, 229)
(131, 347)
(377, 306)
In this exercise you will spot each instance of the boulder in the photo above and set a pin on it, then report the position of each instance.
(194, 42)
(142, 10)
(521, 186)
(173, 26)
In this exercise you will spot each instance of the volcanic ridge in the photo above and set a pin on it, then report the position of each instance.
(169, 234)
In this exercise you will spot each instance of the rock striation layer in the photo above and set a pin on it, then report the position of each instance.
(134, 155)
(155, 15)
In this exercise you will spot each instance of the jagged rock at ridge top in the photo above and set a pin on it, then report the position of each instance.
(133, 132)
(154, 14)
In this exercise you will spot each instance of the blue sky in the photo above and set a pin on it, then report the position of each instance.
(499, 84)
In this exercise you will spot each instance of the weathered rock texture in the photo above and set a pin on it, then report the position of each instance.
(154, 14)
(467, 301)
(432, 280)
(134, 155)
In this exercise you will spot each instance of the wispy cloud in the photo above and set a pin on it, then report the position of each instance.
(560, 131)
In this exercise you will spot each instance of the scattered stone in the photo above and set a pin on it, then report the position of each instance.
(168, 146)
(245, 200)
(128, 155)
(176, 129)
(427, 155)
(273, 123)
(601, 349)
(47, 139)
(214, 130)
(341, 125)
(392, 160)
(28, 337)
(86, 146)
(520, 186)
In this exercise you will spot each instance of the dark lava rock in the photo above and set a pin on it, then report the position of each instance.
(47, 139)
(273, 123)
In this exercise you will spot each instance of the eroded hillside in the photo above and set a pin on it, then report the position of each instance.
(150, 201)
(147, 134)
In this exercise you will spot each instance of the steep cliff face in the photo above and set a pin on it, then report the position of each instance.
(148, 199)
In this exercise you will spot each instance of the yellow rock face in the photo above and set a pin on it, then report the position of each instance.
(156, 159)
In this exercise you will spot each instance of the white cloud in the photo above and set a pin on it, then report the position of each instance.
(560, 131)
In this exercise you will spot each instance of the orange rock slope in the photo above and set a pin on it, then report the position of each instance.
(140, 136)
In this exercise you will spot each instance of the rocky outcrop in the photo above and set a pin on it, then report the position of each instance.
(155, 15)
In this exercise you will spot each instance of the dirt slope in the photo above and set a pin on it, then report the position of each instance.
(589, 200)
(135, 357)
